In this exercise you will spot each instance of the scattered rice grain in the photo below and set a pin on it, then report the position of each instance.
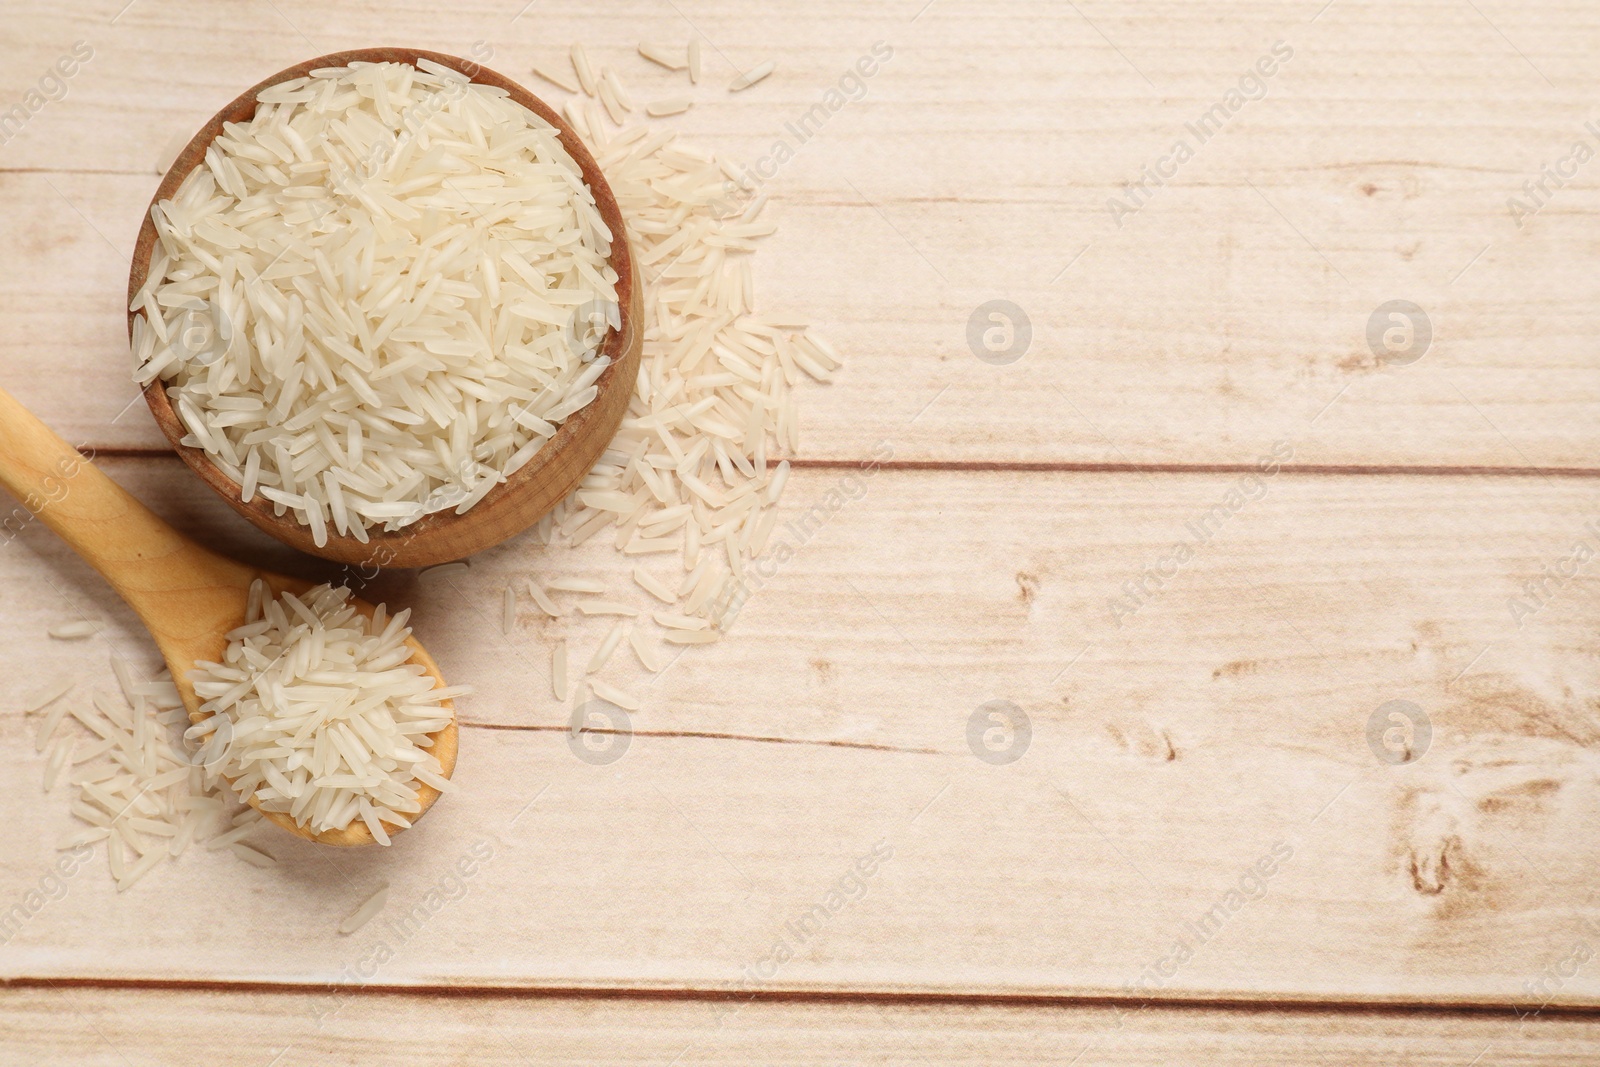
(607, 646)
(691, 637)
(541, 598)
(556, 78)
(577, 585)
(672, 105)
(72, 631)
(558, 670)
(369, 908)
(607, 607)
(654, 586)
(620, 697)
(254, 857)
(647, 656)
(674, 621)
(46, 694)
(661, 55)
(752, 76)
(582, 68)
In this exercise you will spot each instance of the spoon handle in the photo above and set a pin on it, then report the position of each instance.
(152, 566)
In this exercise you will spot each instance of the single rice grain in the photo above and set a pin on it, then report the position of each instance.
(254, 857)
(577, 585)
(46, 694)
(691, 637)
(752, 76)
(369, 908)
(654, 586)
(649, 657)
(607, 607)
(558, 670)
(607, 646)
(661, 55)
(72, 631)
(556, 78)
(620, 697)
(672, 105)
(675, 621)
(541, 598)
(582, 68)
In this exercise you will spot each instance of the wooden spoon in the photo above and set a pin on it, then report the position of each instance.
(189, 597)
(555, 470)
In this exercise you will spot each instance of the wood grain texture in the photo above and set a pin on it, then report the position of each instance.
(1231, 310)
(1230, 714)
(89, 1026)
(1434, 912)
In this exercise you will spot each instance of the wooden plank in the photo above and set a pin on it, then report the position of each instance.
(90, 1026)
(1230, 311)
(1225, 723)
(1184, 729)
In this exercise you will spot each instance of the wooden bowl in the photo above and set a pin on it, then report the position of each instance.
(553, 472)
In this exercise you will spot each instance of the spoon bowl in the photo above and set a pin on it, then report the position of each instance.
(189, 597)
(526, 495)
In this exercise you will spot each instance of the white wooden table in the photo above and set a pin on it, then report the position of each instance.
(1438, 911)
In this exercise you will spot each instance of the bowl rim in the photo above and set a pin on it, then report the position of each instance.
(389, 548)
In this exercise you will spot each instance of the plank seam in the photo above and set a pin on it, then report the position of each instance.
(867, 746)
(1167, 1002)
(1070, 467)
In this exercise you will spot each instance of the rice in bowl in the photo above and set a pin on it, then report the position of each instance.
(379, 297)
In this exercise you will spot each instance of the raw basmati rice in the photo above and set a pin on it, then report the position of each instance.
(60, 756)
(582, 68)
(607, 607)
(46, 694)
(558, 670)
(240, 829)
(555, 77)
(48, 727)
(541, 598)
(379, 297)
(253, 856)
(620, 697)
(780, 478)
(618, 90)
(134, 784)
(577, 585)
(610, 100)
(673, 621)
(654, 586)
(141, 867)
(607, 646)
(77, 629)
(695, 466)
(369, 908)
(672, 105)
(318, 712)
(750, 77)
(661, 55)
(691, 637)
(648, 657)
